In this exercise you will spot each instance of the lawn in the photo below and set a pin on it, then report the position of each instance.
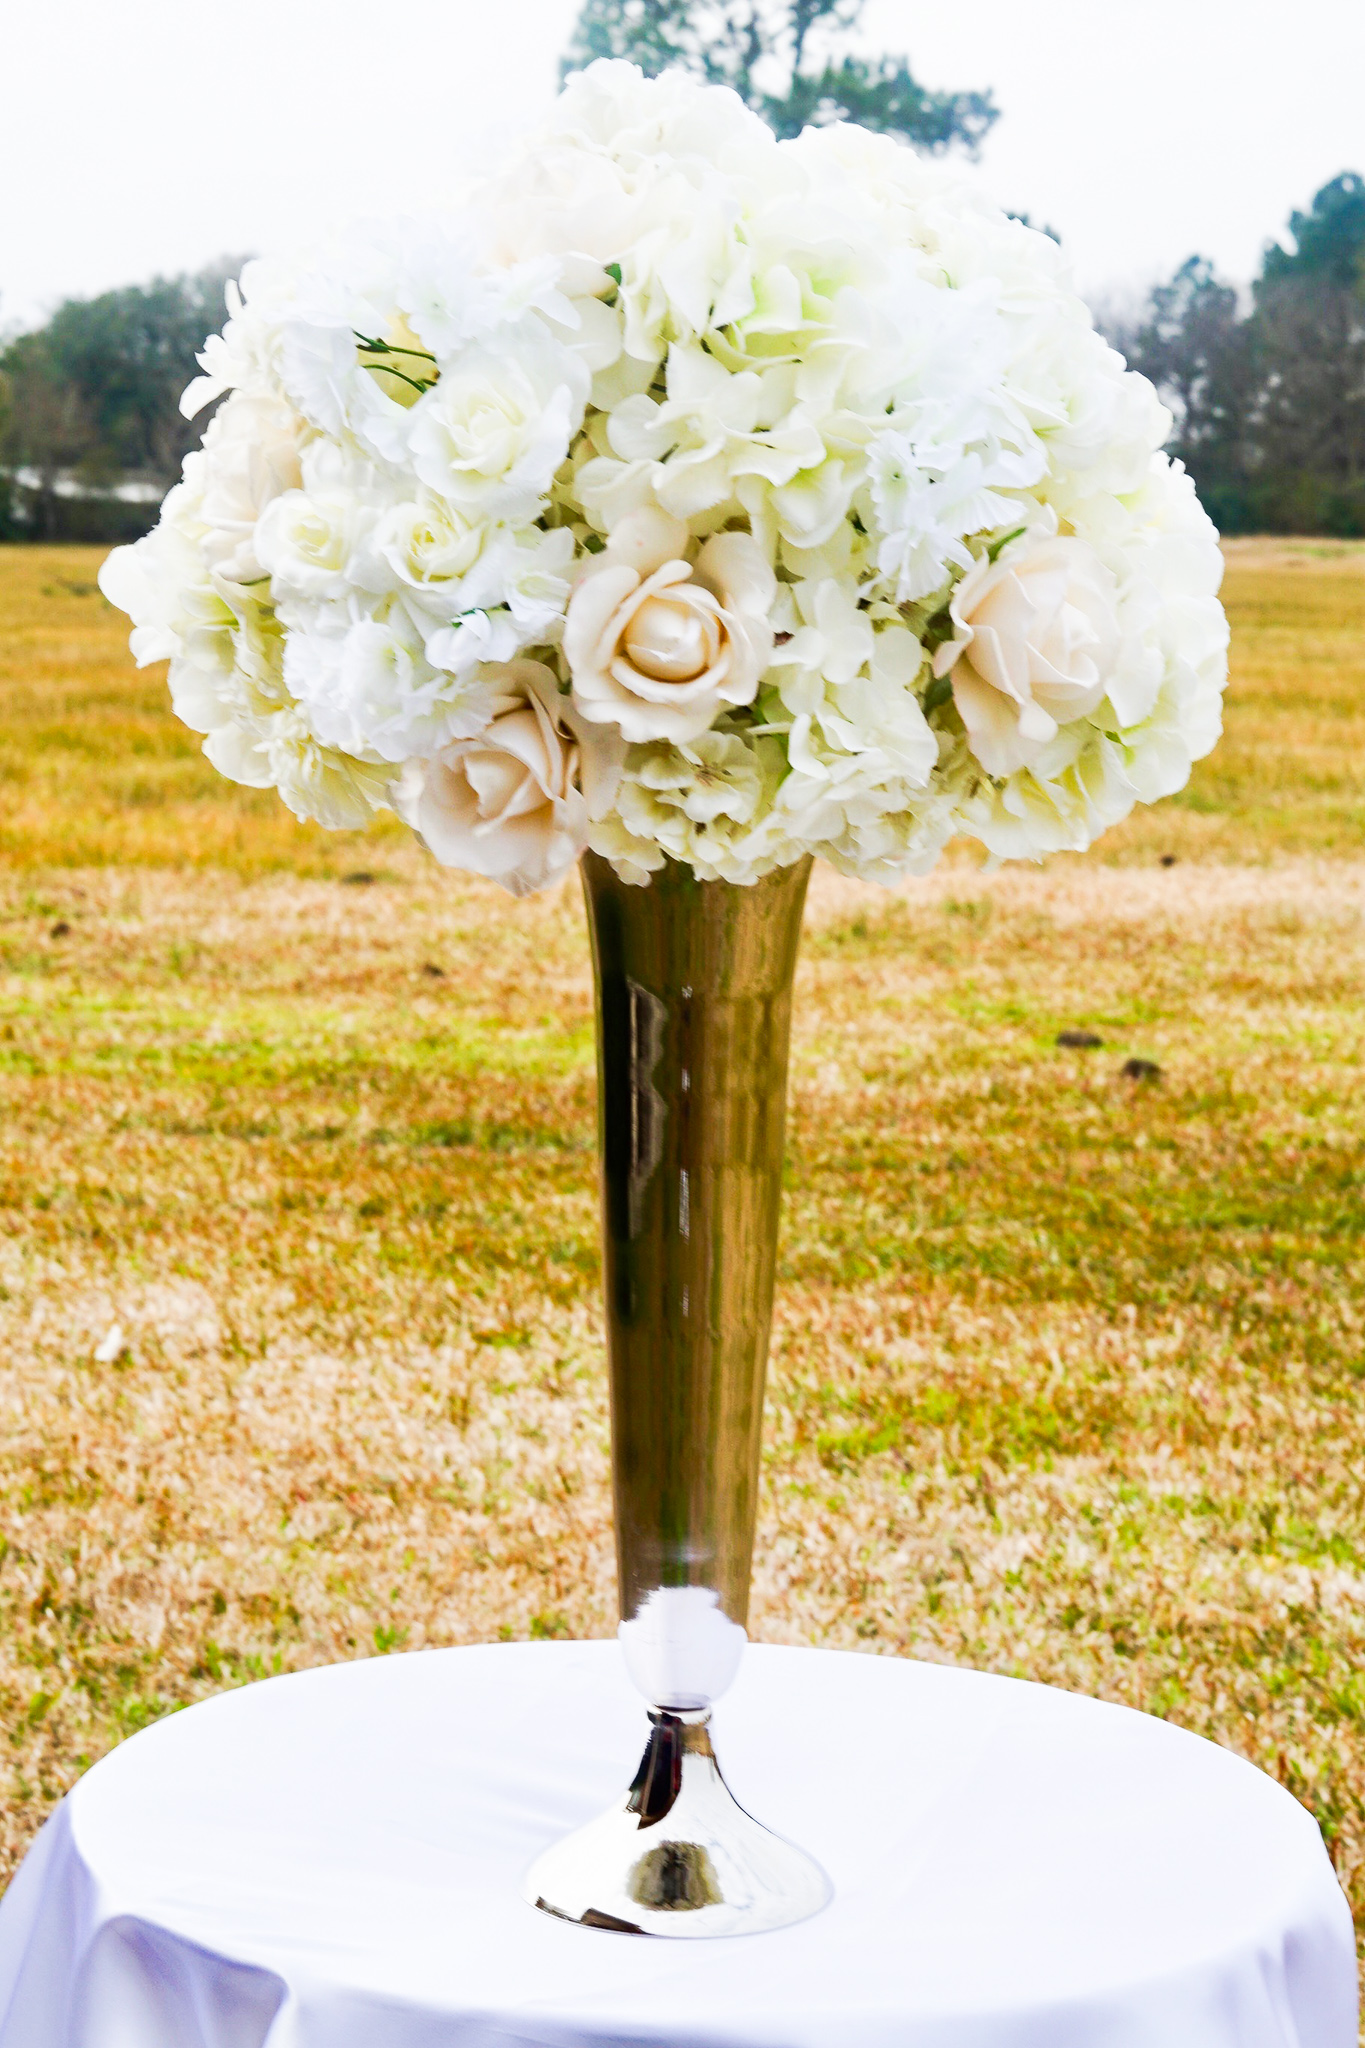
(299, 1343)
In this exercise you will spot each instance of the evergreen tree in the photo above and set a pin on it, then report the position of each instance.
(787, 59)
(1195, 346)
(130, 354)
(1269, 400)
(1308, 335)
(1329, 240)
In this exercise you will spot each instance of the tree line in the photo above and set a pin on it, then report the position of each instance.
(1267, 388)
(91, 401)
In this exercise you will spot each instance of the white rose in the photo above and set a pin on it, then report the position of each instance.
(657, 647)
(312, 542)
(1037, 636)
(491, 435)
(425, 548)
(306, 545)
(506, 804)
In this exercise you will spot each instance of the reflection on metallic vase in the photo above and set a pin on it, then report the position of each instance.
(694, 986)
(676, 1855)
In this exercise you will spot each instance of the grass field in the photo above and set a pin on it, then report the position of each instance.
(299, 1343)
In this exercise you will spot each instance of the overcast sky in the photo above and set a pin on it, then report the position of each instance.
(139, 136)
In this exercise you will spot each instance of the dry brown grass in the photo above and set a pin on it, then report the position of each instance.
(1067, 1378)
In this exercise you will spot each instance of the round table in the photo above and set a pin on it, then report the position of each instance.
(331, 1860)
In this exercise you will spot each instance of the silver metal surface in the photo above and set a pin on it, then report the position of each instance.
(694, 987)
(677, 1856)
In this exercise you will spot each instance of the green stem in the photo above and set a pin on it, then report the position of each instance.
(387, 370)
(375, 347)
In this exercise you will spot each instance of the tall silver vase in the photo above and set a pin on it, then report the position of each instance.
(694, 987)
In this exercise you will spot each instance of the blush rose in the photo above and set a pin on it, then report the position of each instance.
(658, 647)
(510, 803)
(1037, 638)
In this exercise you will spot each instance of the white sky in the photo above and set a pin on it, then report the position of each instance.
(139, 136)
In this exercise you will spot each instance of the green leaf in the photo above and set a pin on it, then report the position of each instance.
(997, 547)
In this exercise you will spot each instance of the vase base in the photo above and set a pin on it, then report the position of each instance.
(677, 1856)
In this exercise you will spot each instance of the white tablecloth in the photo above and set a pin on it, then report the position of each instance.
(331, 1861)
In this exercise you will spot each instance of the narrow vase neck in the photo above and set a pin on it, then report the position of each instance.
(694, 983)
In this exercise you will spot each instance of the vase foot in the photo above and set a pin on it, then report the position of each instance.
(677, 1856)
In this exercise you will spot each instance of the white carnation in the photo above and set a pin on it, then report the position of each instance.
(251, 456)
(368, 687)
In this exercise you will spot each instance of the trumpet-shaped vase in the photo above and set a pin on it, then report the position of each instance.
(694, 988)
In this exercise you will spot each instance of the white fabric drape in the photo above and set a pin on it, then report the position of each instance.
(330, 1860)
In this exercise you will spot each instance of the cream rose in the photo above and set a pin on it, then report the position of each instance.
(658, 648)
(428, 548)
(1037, 639)
(507, 804)
(489, 437)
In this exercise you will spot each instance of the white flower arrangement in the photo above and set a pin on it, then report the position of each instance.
(688, 495)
